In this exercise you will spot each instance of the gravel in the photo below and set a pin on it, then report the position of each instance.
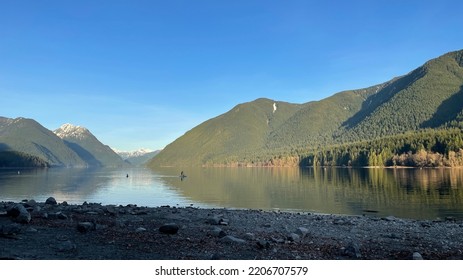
(95, 231)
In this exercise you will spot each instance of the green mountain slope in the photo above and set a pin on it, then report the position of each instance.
(242, 129)
(430, 96)
(318, 122)
(27, 136)
(88, 147)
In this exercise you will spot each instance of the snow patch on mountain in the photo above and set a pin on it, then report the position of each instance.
(130, 154)
(72, 131)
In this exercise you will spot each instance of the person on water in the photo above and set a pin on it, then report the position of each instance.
(181, 174)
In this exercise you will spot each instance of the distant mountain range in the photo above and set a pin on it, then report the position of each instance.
(139, 157)
(415, 119)
(262, 131)
(25, 142)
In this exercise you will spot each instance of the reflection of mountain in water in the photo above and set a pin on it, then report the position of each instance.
(413, 193)
(70, 184)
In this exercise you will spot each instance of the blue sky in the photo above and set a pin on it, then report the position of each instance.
(142, 73)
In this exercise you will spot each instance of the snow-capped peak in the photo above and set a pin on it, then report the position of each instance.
(71, 131)
(129, 154)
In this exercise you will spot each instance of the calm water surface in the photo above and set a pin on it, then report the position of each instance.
(407, 193)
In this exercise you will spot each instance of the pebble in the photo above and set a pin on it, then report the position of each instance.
(293, 237)
(417, 256)
(263, 244)
(218, 232)
(214, 220)
(61, 215)
(169, 228)
(140, 229)
(389, 218)
(278, 240)
(232, 239)
(302, 231)
(84, 227)
(250, 236)
(353, 251)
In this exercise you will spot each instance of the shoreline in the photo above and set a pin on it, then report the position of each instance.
(90, 231)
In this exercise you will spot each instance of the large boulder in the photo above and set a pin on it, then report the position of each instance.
(51, 201)
(19, 214)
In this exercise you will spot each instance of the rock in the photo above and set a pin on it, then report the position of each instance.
(140, 229)
(389, 218)
(214, 220)
(425, 224)
(417, 256)
(250, 236)
(263, 244)
(51, 201)
(293, 237)
(19, 214)
(302, 231)
(224, 222)
(84, 227)
(61, 215)
(218, 232)
(278, 240)
(111, 211)
(353, 251)
(169, 229)
(232, 239)
(30, 203)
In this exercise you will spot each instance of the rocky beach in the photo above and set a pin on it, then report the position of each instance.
(54, 230)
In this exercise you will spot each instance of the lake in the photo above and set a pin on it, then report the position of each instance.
(406, 193)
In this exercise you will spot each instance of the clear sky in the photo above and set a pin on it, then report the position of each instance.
(142, 73)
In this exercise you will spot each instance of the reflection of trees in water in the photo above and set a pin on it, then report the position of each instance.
(401, 192)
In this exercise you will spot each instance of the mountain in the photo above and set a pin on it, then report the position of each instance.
(137, 158)
(88, 147)
(26, 143)
(429, 97)
(21, 138)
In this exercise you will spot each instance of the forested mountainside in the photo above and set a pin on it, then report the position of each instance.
(28, 137)
(426, 101)
(88, 147)
(26, 143)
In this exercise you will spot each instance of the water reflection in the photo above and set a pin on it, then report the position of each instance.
(409, 193)
(412, 193)
(76, 185)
